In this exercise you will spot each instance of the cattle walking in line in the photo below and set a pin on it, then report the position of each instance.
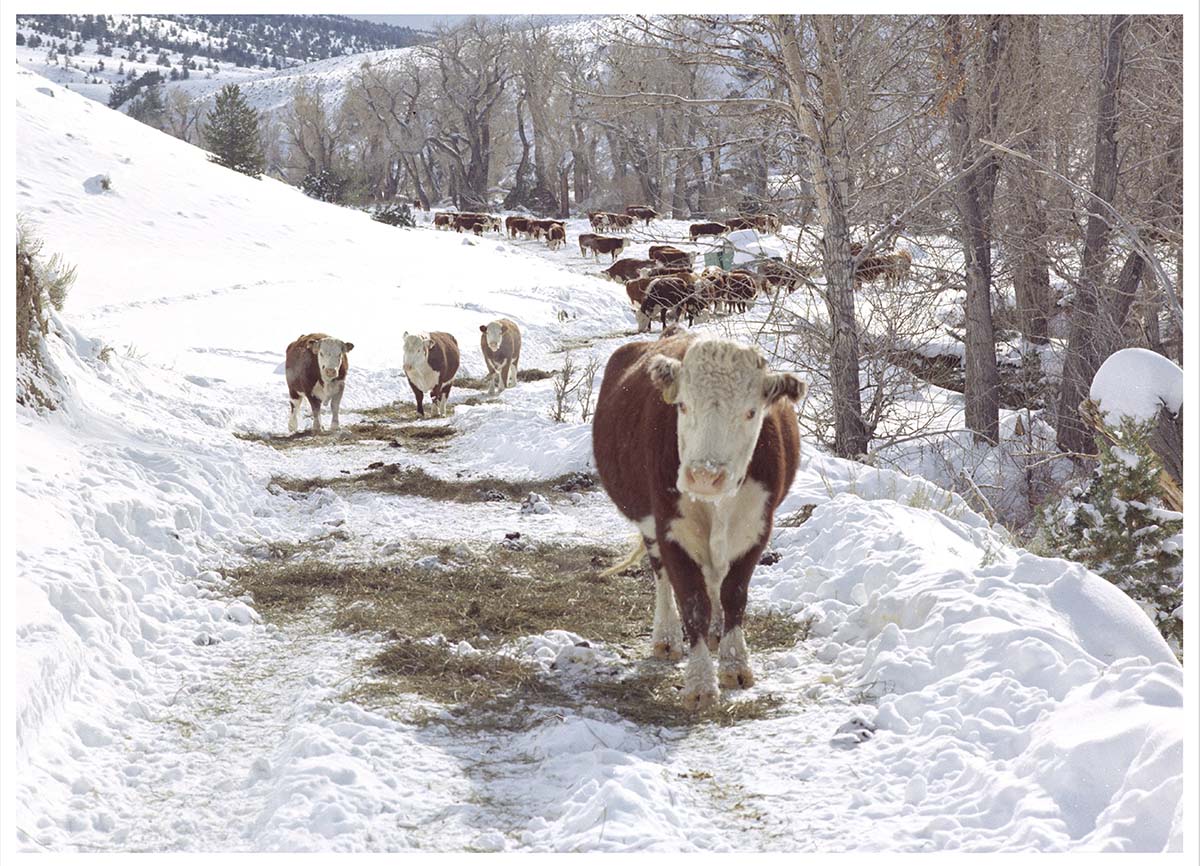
(697, 230)
(500, 342)
(697, 444)
(430, 362)
(315, 366)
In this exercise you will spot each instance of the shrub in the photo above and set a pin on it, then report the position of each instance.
(394, 215)
(325, 185)
(40, 282)
(1116, 525)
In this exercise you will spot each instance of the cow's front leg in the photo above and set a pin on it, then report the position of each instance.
(667, 636)
(315, 404)
(334, 403)
(734, 657)
(493, 377)
(420, 396)
(295, 401)
(699, 678)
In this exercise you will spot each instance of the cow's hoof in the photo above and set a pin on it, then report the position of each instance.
(700, 700)
(736, 678)
(667, 651)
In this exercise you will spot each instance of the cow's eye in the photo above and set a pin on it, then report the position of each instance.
(683, 408)
(749, 414)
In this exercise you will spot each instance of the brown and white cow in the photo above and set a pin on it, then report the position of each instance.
(639, 211)
(599, 244)
(665, 254)
(598, 219)
(623, 270)
(619, 222)
(500, 342)
(556, 236)
(516, 224)
(315, 366)
(696, 442)
(430, 362)
(702, 229)
(442, 220)
(675, 296)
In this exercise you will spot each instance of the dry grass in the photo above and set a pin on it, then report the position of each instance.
(412, 481)
(490, 598)
(383, 425)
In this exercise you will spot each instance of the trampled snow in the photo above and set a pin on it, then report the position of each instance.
(956, 692)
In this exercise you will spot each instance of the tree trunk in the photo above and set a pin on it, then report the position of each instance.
(518, 196)
(974, 187)
(826, 156)
(564, 192)
(1084, 340)
(1031, 270)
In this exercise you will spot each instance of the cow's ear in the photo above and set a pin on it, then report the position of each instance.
(664, 373)
(346, 347)
(780, 385)
(483, 329)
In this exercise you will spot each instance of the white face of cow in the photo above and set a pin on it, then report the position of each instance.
(721, 389)
(493, 334)
(329, 356)
(416, 351)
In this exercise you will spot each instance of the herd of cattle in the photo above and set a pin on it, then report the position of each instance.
(666, 285)
(695, 440)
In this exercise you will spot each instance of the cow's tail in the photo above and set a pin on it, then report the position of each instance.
(630, 561)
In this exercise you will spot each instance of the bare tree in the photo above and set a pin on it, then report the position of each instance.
(1083, 347)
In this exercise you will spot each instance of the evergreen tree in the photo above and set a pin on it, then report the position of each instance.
(1118, 527)
(20, 39)
(232, 133)
(149, 108)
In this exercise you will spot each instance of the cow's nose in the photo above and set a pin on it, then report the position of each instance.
(705, 480)
(330, 372)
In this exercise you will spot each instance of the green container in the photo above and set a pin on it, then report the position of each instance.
(721, 259)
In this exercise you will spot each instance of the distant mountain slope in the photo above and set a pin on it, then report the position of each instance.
(200, 53)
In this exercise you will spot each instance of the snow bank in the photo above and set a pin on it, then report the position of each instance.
(1136, 383)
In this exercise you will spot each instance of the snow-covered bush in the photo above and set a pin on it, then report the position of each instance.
(325, 185)
(394, 215)
(1116, 524)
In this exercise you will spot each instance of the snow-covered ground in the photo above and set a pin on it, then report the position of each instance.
(955, 692)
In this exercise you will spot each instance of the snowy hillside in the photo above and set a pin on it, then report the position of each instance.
(922, 684)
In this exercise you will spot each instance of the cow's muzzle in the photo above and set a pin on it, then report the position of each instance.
(705, 480)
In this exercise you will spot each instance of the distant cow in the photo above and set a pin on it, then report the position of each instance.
(619, 222)
(500, 342)
(623, 270)
(668, 255)
(766, 222)
(697, 230)
(697, 444)
(515, 225)
(711, 286)
(442, 220)
(430, 362)
(636, 290)
(315, 366)
(627, 269)
(675, 296)
(598, 219)
(740, 289)
(472, 222)
(739, 223)
(539, 227)
(642, 212)
(556, 236)
(601, 244)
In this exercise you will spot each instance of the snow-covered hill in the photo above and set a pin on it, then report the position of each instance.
(955, 692)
